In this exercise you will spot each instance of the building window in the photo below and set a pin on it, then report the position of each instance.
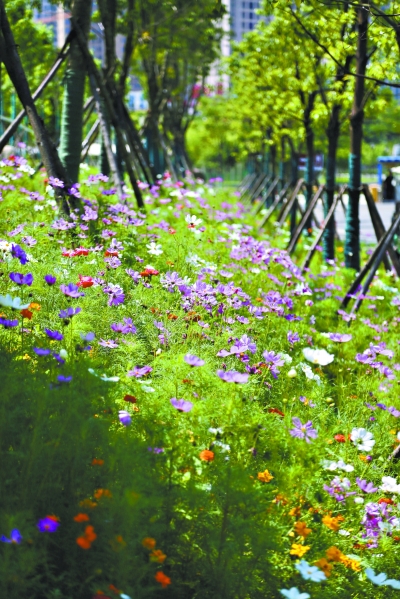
(250, 26)
(251, 15)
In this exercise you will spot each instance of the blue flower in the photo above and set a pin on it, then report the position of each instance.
(8, 324)
(64, 379)
(50, 280)
(294, 593)
(310, 572)
(21, 279)
(18, 252)
(41, 351)
(381, 579)
(55, 335)
(69, 312)
(15, 537)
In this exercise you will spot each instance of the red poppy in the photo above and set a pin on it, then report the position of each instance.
(85, 282)
(386, 500)
(340, 438)
(111, 253)
(149, 272)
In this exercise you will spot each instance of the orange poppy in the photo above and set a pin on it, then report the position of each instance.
(206, 455)
(162, 579)
(81, 518)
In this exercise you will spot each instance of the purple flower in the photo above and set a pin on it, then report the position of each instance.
(54, 182)
(69, 312)
(50, 280)
(18, 252)
(156, 449)
(64, 379)
(293, 337)
(15, 537)
(54, 335)
(340, 337)
(193, 360)
(8, 324)
(231, 376)
(181, 405)
(275, 360)
(88, 337)
(115, 295)
(71, 290)
(124, 417)
(48, 524)
(41, 351)
(108, 343)
(303, 431)
(140, 371)
(365, 486)
(21, 279)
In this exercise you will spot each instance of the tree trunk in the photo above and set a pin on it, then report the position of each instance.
(74, 88)
(352, 245)
(9, 55)
(282, 164)
(333, 132)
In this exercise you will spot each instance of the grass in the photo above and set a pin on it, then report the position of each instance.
(219, 501)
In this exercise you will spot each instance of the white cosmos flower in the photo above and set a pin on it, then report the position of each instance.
(154, 248)
(318, 356)
(389, 485)
(193, 221)
(309, 373)
(362, 439)
(12, 302)
(339, 465)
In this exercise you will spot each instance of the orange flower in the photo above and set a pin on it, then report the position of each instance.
(114, 589)
(301, 529)
(206, 455)
(299, 550)
(35, 306)
(334, 554)
(295, 511)
(162, 579)
(96, 462)
(157, 556)
(353, 564)
(88, 503)
(81, 518)
(85, 541)
(265, 477)
(332, 522)
(149, 543)
(102, 493)
(325, 566)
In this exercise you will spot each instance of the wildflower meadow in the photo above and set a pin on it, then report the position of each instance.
(183, 413)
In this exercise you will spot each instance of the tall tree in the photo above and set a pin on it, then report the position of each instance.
(73, 100)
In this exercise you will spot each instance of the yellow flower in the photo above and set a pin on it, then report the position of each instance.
(332, 522)
(265, 477)
(334, 554)
(301, 529)
(295, 511)
(299, 550)
(325, 566)
(353, 564)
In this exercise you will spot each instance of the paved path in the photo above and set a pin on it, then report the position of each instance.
(367, 231)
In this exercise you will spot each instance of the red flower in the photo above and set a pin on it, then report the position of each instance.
(386, 500)
(149, 272)
(130, 398)
(111, 253)
(340, 438)
(85, 282)
(276, 411)
(162, 579)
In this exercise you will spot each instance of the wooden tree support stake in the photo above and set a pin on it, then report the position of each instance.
(11, 129)
(317, 240)
(274, 205)
(306, 216)
(260, 188)
(286, 208)
(90, 139)
(268, 194)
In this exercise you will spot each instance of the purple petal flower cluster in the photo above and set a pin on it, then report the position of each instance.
(71, 290)
(231, 376)
(140, 371)
(69, 312)
(115, 294)
(48, 524)
(50, 279)
(339, 489)
(54, 335)
(303, 431)
(18, 252)
(193, 361)
(293, 338)
(274, 361)
(366, 487)
(124, 417)
(124, 327)
(181, 405)
(15, 537)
